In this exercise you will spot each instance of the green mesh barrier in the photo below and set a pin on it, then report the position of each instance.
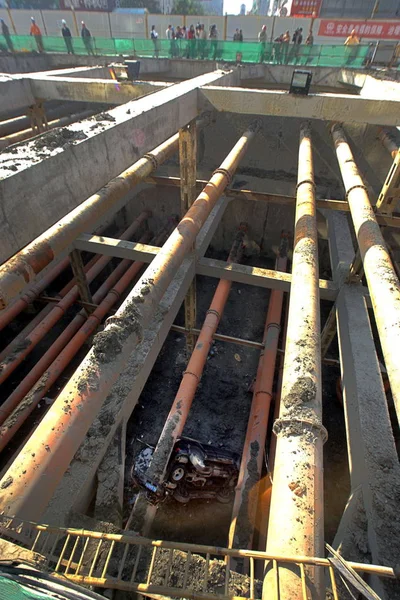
(14, 591)
(247, 52)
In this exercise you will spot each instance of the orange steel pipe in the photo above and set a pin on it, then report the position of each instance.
(19, 339)
(46, 360)
(28, 262)
(180, 408)
(28, 485)
(296, 523)
(11, 362)
(69, 350)
(383, 283)
(388, 142)
(35, 290)
(244, 509)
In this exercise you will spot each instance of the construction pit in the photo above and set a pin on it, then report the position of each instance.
(200, 316)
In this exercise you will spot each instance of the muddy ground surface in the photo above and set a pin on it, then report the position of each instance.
(220, 412)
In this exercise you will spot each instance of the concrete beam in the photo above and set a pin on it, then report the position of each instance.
(31, 178)
(373, 462)
(219, 269)
(81, 89)
(338, 205)
(326, 107)
(15, 94)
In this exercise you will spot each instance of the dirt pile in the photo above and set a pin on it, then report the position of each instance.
(58, 138)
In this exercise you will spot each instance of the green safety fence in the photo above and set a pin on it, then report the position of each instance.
(246, 52)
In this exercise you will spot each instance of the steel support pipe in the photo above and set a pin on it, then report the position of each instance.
(383, 283)
(296, 524)
(11, 362)
(31, 260)
(29, 483)
(46, 372)
(19, 339)
(388, 142)
(30, 294)
(246, 494)
(180, 408)
(51, 354)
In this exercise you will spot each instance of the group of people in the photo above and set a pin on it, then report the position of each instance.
(281, 44)
(196, 37)
(37, 34)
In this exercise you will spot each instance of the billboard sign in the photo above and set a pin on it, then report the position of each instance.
(376, 30)
(305, 8)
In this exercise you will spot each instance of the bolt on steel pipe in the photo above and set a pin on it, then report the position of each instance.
(246, 494)
(46, 372)
(11, 362)
(29, 483)
(383, 283)
(296, 524)
(21, 268)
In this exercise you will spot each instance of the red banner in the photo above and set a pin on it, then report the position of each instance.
(377, 30)
(305, 8)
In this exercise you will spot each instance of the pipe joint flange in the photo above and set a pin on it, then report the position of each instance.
(298, 426)
(212, 311)
(264, 392)
(193, 375)
(354, 187)
(152, 159)
(309, 181)
(224, 172)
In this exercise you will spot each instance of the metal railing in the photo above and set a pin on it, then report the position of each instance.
(132, 563)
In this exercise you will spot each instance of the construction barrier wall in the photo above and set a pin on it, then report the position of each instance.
(125, 25)
(251, 52)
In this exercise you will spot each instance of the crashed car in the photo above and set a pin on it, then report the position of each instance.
(195, 470)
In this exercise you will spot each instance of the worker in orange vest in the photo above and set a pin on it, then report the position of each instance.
(35, 31)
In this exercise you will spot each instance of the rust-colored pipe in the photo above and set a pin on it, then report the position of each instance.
(29, 483)
(180, 408)
(25, 134)
(8, 315)
(58, 357)
(388, 142)
(296, 523)
(19, 339)
(21, 268)
(244, 508)
(46, 360)
(32, 293)
(383, 283)
(11, 362)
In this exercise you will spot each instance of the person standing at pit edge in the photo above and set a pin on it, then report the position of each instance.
(154, 37)
(6, 34)
(262, 40)
(87, 38)
(37, 34)
(66, 32)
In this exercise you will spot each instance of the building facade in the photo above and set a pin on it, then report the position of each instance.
(360, 9)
